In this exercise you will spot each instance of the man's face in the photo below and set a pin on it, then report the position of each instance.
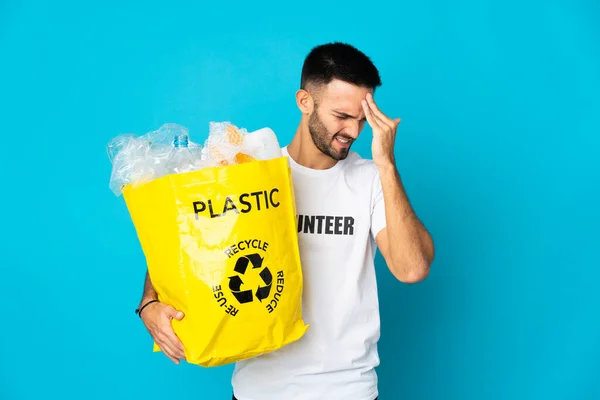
(338, 118)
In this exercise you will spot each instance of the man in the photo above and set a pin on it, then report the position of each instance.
(336, 358)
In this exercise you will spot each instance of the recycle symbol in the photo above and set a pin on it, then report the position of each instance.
(235, 281)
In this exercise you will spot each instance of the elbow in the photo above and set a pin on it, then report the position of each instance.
(414, 276)
(417, 268)
(415, 273)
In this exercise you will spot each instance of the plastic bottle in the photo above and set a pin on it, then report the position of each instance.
(181, 158)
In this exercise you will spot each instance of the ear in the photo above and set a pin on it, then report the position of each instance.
(305, 101)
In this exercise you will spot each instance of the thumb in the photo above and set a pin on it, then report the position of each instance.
(397, 121)
(173, 313)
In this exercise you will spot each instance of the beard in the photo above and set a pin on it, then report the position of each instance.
(323, 139)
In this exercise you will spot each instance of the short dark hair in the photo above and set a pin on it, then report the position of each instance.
(341, 61)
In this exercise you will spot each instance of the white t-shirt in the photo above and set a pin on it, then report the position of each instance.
(340, 211)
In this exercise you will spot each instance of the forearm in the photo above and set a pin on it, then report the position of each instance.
(149, 291)
(410, 246)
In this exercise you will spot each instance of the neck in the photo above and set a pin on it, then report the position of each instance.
(303, 150)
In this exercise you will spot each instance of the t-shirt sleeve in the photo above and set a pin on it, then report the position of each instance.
(377, 207)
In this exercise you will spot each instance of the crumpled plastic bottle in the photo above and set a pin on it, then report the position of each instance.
(139, 159)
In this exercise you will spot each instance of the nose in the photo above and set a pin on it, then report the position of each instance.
(352, 129)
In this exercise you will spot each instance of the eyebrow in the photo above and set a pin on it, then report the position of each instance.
(345, 114)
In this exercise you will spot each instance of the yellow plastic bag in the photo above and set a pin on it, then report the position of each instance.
(221, 245)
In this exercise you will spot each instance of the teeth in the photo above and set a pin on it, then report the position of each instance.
(342, 140)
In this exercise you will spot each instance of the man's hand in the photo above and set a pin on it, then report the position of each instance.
(157, 318)
(384, 133)
(404, 243)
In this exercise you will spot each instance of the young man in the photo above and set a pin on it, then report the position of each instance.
(336, 358)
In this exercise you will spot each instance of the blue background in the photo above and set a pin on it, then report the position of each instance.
(498, 150)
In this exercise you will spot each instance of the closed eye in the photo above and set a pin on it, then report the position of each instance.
(344, 116)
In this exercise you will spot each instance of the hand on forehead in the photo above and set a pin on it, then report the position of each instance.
(341, 96)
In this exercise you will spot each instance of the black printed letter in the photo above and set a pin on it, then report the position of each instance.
(348, 226)
(199, 210)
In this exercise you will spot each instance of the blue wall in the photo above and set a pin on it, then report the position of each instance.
(498, 149)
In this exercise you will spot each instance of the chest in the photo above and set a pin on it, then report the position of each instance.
(332, 215)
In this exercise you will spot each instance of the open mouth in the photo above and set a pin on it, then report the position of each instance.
(343, 141)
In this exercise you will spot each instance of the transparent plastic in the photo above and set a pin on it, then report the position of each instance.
(140, 159)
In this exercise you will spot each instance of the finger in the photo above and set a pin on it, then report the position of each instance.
(373, 106)
(174, 359)
(369, 115)
(177, 346)
(377, 112)
(168, 351)
(381, 122)
(172, 350)
(377, 119)
(172, 313)
(381, 117)
(173, 341)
